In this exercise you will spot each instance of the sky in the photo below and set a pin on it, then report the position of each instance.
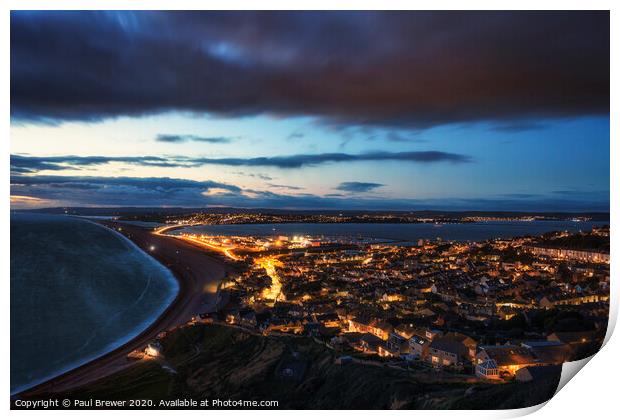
(311, 110)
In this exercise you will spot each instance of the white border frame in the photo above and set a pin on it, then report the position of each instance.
(592, 395)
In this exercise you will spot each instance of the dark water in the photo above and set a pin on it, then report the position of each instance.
(78, 290)
(401, 232)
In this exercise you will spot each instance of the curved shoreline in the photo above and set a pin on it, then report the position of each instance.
(132, 244)
(195, 275)
(137, 329)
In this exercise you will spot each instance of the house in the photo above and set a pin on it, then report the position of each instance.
(233, 317)
(398, 344)
(405, 330)
(380, 329)
(548, 352)
(153, 349)
(370, 343)
(385, 350)
(432, 334)
(572, 338)
(533, 373)
(467, 341)
(330, 320)
(487, 369)
(418, 347)
(506, 312)
(204, 318)
(546, 302)
(580, 342)
(350, 338)
(508, 358)
(446, 351)
(285, 325)
(327, 333)
(425, 312)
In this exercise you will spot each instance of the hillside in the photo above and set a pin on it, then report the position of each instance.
(210, 361)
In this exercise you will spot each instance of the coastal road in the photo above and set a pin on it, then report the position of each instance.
(198, 275)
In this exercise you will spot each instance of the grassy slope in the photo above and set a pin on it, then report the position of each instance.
(228, 363)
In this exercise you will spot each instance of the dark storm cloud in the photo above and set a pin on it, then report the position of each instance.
(414, 69)
(357, 187)
(26, 164)
(117, 191)
(264, 177)
(298, 161)
(158, 184)
(182, 138)
(288, 187)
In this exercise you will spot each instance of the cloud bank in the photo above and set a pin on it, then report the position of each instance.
(399, 69)
(357, 187)
(182, 138)
(29, 164)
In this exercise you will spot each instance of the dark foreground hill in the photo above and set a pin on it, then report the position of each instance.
(217, 362)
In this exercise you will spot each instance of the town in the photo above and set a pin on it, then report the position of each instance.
(496, 310)
(233, 216)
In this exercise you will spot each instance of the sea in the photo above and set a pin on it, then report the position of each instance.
(400, 233)
(78, 291)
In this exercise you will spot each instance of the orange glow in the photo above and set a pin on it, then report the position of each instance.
(227, 251)
(26, 201)
(275, 291)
